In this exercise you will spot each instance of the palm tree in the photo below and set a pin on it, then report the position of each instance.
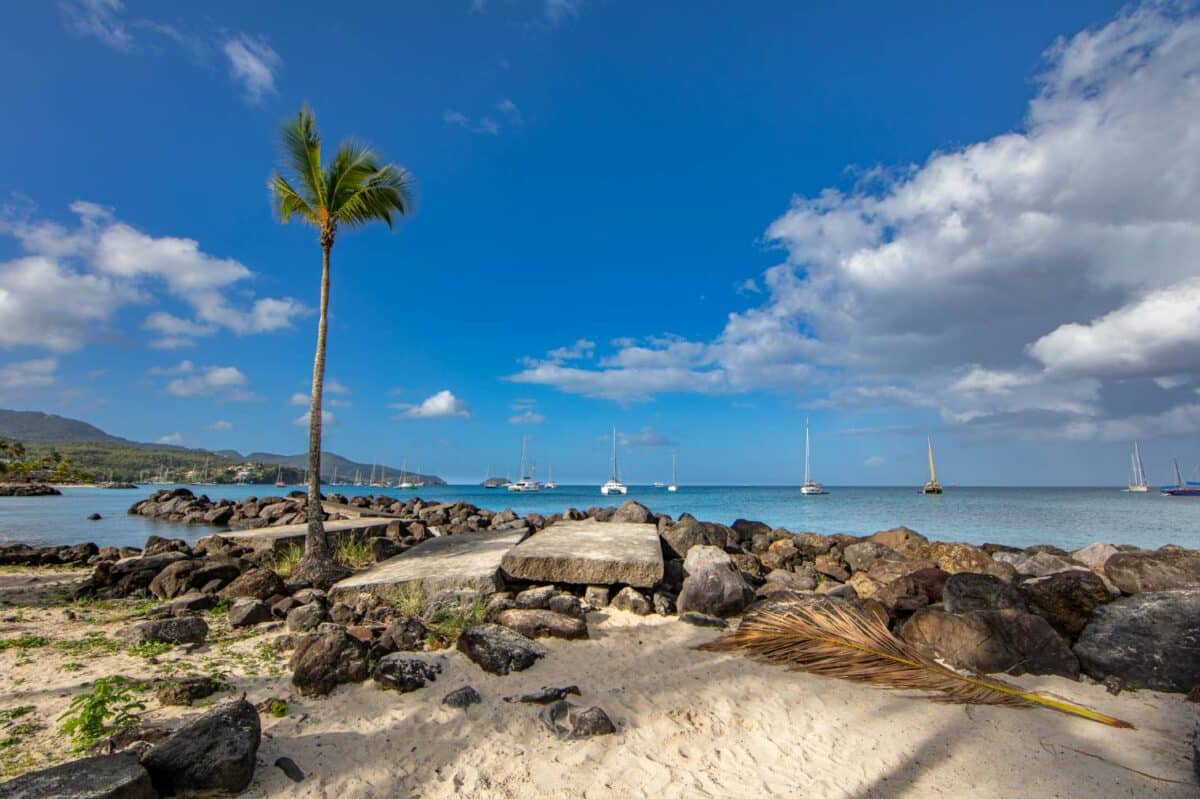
(350, 190)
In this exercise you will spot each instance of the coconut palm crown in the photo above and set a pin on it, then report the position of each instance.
(352, 189)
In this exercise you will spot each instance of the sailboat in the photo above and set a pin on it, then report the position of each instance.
(1181, 489)
(614, 484)
(358, 477)
(417, 482)
(932, 486)
(810, 486)
(279, 479)
(674, 486)
(549, 479)
(404, 481)
(526, 484)
(1137, 481)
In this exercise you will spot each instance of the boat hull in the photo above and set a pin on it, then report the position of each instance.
(613, 488)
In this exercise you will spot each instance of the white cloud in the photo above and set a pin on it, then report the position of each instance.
(22, 376)
(300, 399)
(225, 382)
(334, 387)
(441, 405)
(646, 438)
(327, 419)
(253, 64)
(221, 425)
(1034, 282)
(527, 418)
(62, 294)
(99, 19)
(874, 461)
(748, 286)
(560, 10)
(174, 439)
(582, 348)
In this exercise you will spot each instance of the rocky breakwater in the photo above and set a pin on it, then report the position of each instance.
(28, 490)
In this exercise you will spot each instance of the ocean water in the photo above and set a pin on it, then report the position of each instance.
(1066, 517)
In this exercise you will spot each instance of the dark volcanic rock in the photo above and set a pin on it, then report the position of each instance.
(967, 591)
(689, 532)
(215, 752)
(702, 620)
(179, 630)
(631, 600)
(324, 659)
(462, 698)
(406, 635)
(545, 695)
(991, 641)
(306, 617)
(632, 511)
(28, 490)
(1067, 599)
(256, 583)
(542, 623)
(187, 690)
(1137, 572)
(570, 722)
(499, 650)
(106, 777)
(1151, 640)
(404, 673)
(716, 590)
(246, 612)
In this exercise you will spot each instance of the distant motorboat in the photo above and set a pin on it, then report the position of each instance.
(658, 484)
(1181, 489)
(526, 484)
(932, 486)
(1137, 482)
(810, 486)
(614, 484)
(674, 486)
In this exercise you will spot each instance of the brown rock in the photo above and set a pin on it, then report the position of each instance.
(542, 623)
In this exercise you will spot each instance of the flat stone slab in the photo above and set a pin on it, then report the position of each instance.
(466, 562)
(280, 538)
(589, 553)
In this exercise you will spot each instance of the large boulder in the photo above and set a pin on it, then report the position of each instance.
(106, 777)
(1163, 570)
(908, 543)
(865, 554)
(327, 658)
(536, 623)
(703, 555)
(955, 558)
(989, 641)
(1094, 556)
(211, 754)
(715, 590)
(1150, 640)
(499, 650)
(405, 673)
(177, 630)
(632, 511)
(246, 612)
(256, 583)
(1067, 599)
(746, 529)
(631, 600)
(689, 532)
(1037, 564)
(967, 591)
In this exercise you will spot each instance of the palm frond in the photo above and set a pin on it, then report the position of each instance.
(351, 167)
(302, 148)
(383, 195)
(288, 202)
(837, 640)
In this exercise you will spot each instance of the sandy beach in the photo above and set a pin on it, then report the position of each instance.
(689, 723)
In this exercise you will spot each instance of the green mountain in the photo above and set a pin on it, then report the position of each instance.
(89, 448)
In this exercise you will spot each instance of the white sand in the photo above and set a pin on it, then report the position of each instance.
(690, 724)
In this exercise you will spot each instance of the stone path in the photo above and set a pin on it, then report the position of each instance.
(467, 562)
(280, 538)
(589, 553)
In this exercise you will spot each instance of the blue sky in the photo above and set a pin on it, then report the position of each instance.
(697, 223)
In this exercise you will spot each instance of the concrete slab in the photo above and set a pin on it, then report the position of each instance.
(280, 538)
(351, 512)
(467, 562)
(589, 553)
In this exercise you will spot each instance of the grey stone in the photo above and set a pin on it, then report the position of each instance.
(404, 673)
(179, 630)
(688, 532)
(702, 620)
(1094, 556)
(326, 658)
(462, 698)
(306, 617)
(107, 777)
(589, 553)
(289, 768)
(715, 590)
(567, 605)
(213, 753)
(596, 596)
(1163, 570)
(632, 512)
(570, 722)
(703, 555)
(1150, 640)
(863, 555)
(545, 695)
(499, 650)
(536, 597)
(536, 623)
(968, 591)
(247, 612)
(989, 641)
(631, 600)
(1037, 564)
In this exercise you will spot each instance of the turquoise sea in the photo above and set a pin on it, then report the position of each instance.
(1065, 517)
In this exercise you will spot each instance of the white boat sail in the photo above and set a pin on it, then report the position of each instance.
(932, 486)
(614, 484)
(279, 478)
(810, 486)
(674, 486)
(404, 481)
(1138, 483)
(526, 484)
(549, 479)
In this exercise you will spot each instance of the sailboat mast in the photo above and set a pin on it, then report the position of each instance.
(1139, 471)
(615, 471)
(673, 480)
(1178, 477)
(807, 475)
(932, 470)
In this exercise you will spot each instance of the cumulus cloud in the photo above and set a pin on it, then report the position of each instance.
(1036, 282)
(253, 64)
(22, 376)
(221, 425)
(646, 438)
(174, 439)
(74, 279)
(327, 419)
(441, 405)
(224, 382)
(527, 417)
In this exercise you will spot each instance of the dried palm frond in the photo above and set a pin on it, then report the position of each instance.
(839, 640)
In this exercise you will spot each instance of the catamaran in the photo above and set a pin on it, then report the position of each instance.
(932, 486)
(810, 486)
(1137, 482)
(526, 484)
(1181, 489)
(549, 479)
(614, 484)
(674, 486)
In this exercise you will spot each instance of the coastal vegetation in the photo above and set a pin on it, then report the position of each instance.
(353, 189)
(19, 463)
